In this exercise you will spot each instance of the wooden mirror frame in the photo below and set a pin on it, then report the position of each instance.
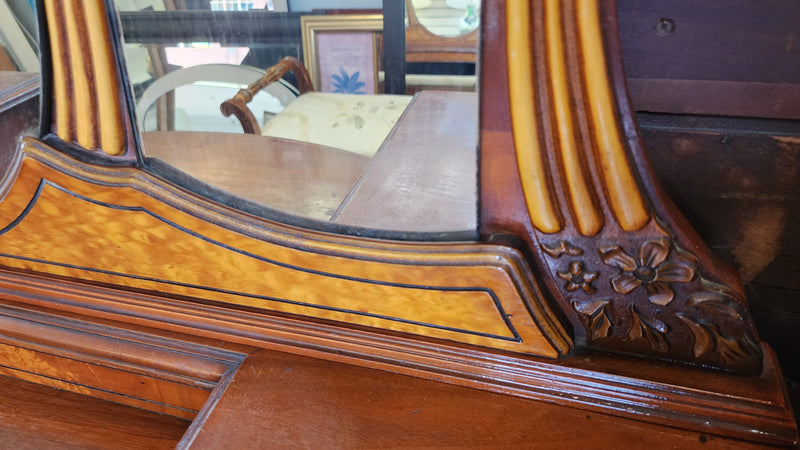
(580, 252)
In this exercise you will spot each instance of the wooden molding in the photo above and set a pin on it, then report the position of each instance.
(135, 366)
(639, 281)
(755, 408)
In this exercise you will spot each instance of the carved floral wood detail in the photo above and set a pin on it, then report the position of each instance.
(652, 296)
(616, 256)
(651, 270)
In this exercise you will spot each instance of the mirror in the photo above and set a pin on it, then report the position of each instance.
(282, 109)
(19, 45)
(448, 17)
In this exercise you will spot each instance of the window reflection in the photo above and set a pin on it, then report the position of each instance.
(327, 140)
(19, 46)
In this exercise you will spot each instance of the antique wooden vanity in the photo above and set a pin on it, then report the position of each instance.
(231, 290)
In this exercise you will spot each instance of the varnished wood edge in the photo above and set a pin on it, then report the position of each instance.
(629, 130)
(662, 402)
(255, 227)
(199, 421)
(81, 354)
(46, 73)
(20, 92)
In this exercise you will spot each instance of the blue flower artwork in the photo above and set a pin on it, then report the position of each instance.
(347, 84)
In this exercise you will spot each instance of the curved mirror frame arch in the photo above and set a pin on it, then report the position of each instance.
(578, 247)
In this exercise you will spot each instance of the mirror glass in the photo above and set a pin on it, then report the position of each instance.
(19, 45)
(294, 110)
(447, 17)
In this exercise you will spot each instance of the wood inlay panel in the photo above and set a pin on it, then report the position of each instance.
(55, 223)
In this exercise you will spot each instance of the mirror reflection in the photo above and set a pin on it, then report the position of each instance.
(288, 104)
(446, 17)
(19, 46)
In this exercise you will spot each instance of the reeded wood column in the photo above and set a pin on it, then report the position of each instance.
(562, 168)
(84, 79)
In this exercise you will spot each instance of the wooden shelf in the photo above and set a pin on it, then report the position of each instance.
(36, 416)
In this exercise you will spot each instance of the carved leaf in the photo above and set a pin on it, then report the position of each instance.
(556, 250)
(715, 304)
(703, 341)
(625, 283)
(651, 329)
(659, 293)
(707, 338)
(732, 349)
(599, 320)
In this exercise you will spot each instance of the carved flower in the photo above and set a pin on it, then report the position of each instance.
(651, 269)
(578, 278)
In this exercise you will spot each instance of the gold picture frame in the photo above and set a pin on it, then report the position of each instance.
(315, 27)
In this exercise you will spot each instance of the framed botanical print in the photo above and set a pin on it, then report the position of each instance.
(341, 52)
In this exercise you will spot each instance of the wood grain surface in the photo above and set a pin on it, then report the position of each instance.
(633, 276)
(59, 223)
(312, 403)
(113, 361)
(689, 57)
(36, 417)
(754, 407)
(87, 104)
(424, 176)
(296, 177)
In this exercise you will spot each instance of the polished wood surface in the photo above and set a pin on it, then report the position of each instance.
(163, 372)
(296, 177)
(103, 254)
(745, 205)
(87, 107)
(424, 176)
(35, 417)
(289, 401)
(643, 281)
(681, 59)
(754, 408)
(129, 236)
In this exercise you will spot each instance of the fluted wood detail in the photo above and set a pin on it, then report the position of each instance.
(582, 196)
(617, 258)
(623, 192)
(568, 154)
(86, 106)
(536, 182)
